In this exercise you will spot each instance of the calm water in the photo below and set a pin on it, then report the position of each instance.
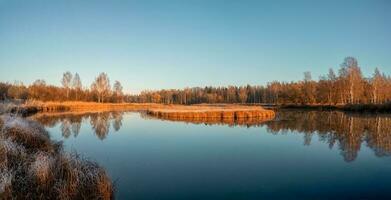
(298, 155)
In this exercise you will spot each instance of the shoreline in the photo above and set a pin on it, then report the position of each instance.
(189, 111)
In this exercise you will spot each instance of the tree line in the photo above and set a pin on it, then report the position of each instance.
(71, 90)
(349, 86)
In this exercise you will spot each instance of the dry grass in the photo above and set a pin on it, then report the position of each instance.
(212, 114)
(246, 122)
(88, 106)
(34, 167)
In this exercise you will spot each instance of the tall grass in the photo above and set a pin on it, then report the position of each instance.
(34, 167)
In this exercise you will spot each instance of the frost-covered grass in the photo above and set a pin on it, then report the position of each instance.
(5, 107)
(34, 167)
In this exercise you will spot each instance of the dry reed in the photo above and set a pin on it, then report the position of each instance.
(209, 113)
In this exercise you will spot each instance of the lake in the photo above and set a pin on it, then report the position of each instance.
(298, 155)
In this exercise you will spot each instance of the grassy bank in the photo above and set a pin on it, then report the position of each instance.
(32, 166)
(33, 107)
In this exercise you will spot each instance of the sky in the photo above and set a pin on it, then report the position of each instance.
(165, 44)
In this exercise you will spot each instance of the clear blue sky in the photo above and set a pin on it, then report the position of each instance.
(175, 44)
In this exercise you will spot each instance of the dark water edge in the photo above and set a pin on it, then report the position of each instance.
(355, 108)
(301, 154)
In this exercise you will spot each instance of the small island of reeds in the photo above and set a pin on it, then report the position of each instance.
(206, 112)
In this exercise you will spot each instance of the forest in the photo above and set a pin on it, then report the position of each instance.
(347, 86)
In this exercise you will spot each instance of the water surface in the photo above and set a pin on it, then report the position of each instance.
(300, 154)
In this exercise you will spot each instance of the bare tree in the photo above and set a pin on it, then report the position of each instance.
(117, 89)
(377, 83)
(66, 82)
(17, 91)
(101, 86)
(76, 84)
(352, 75)
(308, 89)
(242, 95)
(332, 91)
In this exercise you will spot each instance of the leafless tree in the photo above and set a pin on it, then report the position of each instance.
(66, 82)
(117, 89)
(101, 86)
(76, 84)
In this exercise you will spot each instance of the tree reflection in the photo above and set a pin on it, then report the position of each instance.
(65, 128)
(117, 120)
(76, 125)
(71, 123)
(347, 130)
(100, 124)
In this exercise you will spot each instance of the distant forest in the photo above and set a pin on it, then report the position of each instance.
(348, 86)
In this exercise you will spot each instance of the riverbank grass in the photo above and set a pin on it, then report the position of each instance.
(33, 166)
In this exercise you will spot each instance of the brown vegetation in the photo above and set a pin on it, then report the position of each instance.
(34, 167)
(212, 114)
(86, 106)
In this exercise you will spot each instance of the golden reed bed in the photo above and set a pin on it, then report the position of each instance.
(248, 122)
(200, 113)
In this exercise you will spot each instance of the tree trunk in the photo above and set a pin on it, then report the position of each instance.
(67, 94)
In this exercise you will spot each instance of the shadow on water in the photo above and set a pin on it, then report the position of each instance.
(347, 132)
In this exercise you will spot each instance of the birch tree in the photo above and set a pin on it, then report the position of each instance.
(117, 89)
(101, 86)
(66, 82)
(76, 84)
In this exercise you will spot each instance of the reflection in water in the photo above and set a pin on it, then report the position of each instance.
(231, 122)
(346, 131)
(76, 128)
(65, 128)
(71, 123)
(100, 124)
(117, 122)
